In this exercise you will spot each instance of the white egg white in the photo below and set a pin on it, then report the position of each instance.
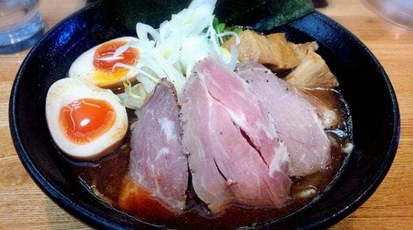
(67, 90)
(83, 67)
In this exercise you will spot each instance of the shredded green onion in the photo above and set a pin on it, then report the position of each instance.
(173, 49)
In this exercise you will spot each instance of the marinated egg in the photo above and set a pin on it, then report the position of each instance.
(85, 121)
(98, 64)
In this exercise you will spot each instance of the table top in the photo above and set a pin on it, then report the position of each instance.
(24, 206)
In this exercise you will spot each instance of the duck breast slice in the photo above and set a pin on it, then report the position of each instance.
(235, 155)
(295, 118)
(157, 161)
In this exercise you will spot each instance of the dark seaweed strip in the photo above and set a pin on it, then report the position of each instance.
(257, 14)
(262, 14)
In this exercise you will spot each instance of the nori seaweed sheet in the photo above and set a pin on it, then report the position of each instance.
(261, 14)
(256, 14)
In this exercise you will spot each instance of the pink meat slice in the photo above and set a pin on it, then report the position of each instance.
(245, 110)
(234, 153)
(157, 161)
(295, 118)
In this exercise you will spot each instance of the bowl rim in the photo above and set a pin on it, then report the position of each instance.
(82, 213)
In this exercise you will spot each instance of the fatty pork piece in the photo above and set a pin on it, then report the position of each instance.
(273, 51)
(235, 155)
(313, 71)
(295, 118)
(299, 63)
(157, 161)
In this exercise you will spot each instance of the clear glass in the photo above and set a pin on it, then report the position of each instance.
(21, 24)
(398, 12)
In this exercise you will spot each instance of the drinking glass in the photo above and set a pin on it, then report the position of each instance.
(398, 12)
(21, 24)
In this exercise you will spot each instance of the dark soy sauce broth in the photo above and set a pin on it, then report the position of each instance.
(109, 181)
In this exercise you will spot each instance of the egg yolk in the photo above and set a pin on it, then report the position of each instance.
(104, 61)
(86, 119)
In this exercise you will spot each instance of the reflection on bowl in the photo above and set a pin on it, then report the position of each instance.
(364, 83)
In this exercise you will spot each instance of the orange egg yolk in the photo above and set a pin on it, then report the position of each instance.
(104, 61)
(86, 119)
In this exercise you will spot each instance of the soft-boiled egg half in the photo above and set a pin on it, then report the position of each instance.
(98, 64)
(85, 121)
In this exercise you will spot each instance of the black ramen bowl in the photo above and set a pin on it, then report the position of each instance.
(364, 84)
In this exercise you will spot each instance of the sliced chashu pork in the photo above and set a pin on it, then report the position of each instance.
(304, 67)
(272, 50)
(295, 118)
(157, 162)
(312, 72)
(234, 152)
(230, 131)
